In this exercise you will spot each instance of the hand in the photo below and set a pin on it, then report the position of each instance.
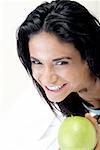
(97, 127)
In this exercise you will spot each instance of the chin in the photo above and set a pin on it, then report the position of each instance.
(56, 100)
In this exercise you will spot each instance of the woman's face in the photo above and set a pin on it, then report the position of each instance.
(57, 66)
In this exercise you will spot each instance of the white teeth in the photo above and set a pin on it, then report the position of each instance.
(54, 88)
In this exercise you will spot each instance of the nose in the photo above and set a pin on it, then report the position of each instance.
(53, 78)
(49, 76)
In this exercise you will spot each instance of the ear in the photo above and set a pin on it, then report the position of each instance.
(86, 65)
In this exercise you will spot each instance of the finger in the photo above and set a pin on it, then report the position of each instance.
(95, 123)
(92, 119)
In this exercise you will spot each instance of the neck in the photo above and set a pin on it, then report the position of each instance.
(92, 94)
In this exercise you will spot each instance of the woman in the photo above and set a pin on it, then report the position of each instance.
(58, 44)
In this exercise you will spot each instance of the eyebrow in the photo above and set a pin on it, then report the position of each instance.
(33, 58)
(56, 59)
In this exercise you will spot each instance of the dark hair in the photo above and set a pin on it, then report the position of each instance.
(70, 22)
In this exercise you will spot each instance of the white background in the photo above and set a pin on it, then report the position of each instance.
(13, 78)
(21, 113)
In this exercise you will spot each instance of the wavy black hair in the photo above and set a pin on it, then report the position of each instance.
(71, 22)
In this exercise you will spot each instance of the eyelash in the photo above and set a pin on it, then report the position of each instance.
(57, 63)
(36, 62)
(62, 63)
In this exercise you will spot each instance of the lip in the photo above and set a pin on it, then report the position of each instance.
(56, 91)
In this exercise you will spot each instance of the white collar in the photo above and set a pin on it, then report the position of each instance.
(92, 110)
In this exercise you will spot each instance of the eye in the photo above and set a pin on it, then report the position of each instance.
(36, 62)
(62, 62)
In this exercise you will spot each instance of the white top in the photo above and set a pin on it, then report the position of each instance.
(29, 124)
(92, 110)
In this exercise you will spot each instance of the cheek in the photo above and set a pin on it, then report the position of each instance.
(68, 75)
(35, 73)
(72, 76)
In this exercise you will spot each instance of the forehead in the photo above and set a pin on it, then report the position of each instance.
(48, 44)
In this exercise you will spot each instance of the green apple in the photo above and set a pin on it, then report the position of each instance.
(76, 133)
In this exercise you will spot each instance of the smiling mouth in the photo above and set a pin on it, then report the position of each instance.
(55, 88)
